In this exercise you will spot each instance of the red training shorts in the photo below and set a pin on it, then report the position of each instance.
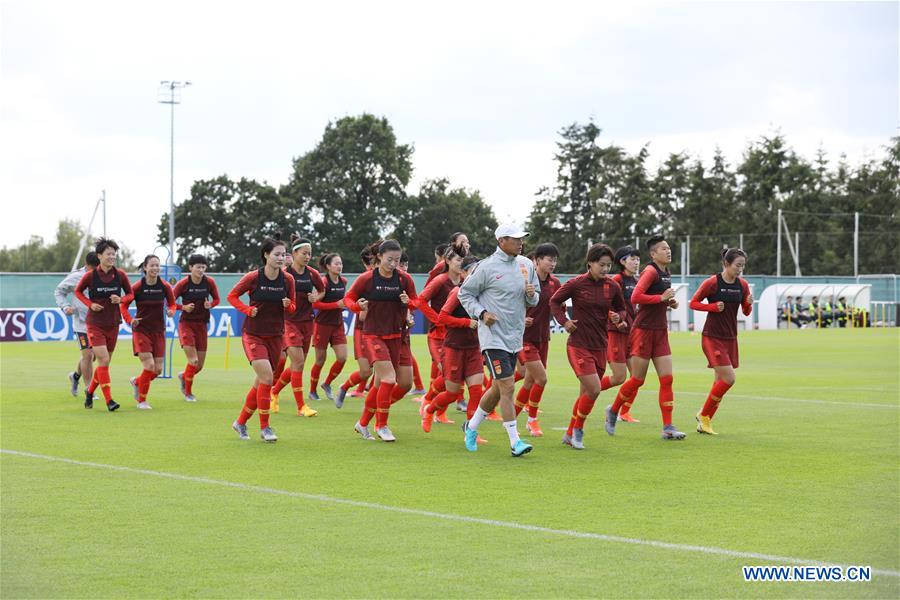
(391, 349)
(153, 342)
(263, 348)
(461, 363)
(323, 335)
(103, 336)
(586, 362)
(193, 333)
(298, 334)
(618, 349)
(531, 352)
(436, 349)
(650, 343)
(719, 352)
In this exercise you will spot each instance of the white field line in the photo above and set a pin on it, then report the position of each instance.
(768, 558)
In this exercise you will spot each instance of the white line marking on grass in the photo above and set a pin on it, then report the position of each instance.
(770, 558)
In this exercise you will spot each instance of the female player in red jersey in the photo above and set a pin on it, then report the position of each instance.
(105, 287)
(650, 338)
(272, 294)
(594, 296)
(386, 292)
(198, 293)
(430, 302)
(536, 341)
(148, 326)
(618, 351)
(723, 293)
(298, 325)
(461, 352)
(329, 325)
(360, 353)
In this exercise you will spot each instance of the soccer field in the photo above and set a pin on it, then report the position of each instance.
(170, 503)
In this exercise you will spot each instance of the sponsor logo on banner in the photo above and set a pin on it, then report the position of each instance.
(13, 325)
(48, 325)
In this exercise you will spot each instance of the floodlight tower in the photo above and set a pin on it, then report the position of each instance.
(170, 93)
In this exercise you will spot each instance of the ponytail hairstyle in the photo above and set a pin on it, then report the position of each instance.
(371, 253)
(440, 249)
(269, 244)
(104, 243)
(146, 260)
(389, 246)
(457, 247)
(729, 255)
(298, 242)
(598, 251)
(326, 259)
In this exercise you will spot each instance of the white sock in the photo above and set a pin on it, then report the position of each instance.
(479, 416)
(512, 431)
(532, 419)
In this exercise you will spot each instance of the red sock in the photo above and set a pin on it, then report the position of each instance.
(364, 385)
(383, 404)
(435, 370)
(534, 399)
(92, 386)
(282, 381)
(417, 377)
(297, 387)
(263, 402)
(189, 372)
(440, 402)
(475, 393)
(314, 373)
(666, 399)
(487, 382)
(518, 377)
(249, 406)
(715, 397)
(369, 407)
(585, 406)
(522, 399)
(437, 386)
(276, 374)
(103, 378)
(627, 394)
(574, 419)
(604, 383)
(336, 369)
(397, 393)
(351, 381)
(143, 383)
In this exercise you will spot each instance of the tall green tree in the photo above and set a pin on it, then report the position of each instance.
(351, 188)
(436, 210)
(36, 255)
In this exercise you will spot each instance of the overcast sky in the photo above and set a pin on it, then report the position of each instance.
(481, 89)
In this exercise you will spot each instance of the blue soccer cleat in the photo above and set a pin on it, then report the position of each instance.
(471, 438)
(521, 448)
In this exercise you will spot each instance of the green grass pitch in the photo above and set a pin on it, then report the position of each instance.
(805, 466)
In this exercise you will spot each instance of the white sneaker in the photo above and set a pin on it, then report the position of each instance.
(363, 430)
(144, 405)
(385, 434)
(135, 392)
(268, 435)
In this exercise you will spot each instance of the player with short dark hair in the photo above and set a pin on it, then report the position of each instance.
(78, 312)
(198, 294)
(329, 325)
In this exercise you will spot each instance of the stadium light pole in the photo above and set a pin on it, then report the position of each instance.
(169, 93)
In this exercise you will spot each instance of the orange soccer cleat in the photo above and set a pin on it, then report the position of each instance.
(534, 428)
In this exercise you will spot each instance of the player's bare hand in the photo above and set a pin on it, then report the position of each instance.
(404, 298)
(673, 304)
(189, 307)
(68, 310)
(312, 297)
(96, 307)
(363, 305)
(473, 324)
(614, 317)
(341, 304)
(622, 326)
(285, 302)
(529, 289)
(668, 295)
(720, 306)
(207, 304)
(136, 321)
(529, 321)
(748, 299)
(489, 318)
(571, 325)
(253, 311)
(171, 311)
(115, 299)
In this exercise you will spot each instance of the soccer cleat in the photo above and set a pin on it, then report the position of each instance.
(422, 408)
(442, 418)
(306, 411)
(462, 406)
(339, 400)
(144, 405)
(521, 448)
(471, 437)
(363, 430)
(190, 398)
(112, 406)
(567, 439)
(73, 384)
(427, 420)
(704, 425)
(314, 396)
(135, 392)
(534, 428)
(385, 434)
(241, 430)
(626, 416)
(494, 416)
(268, 435)
(610, 423)
(578, 438)
(273, 402)
(669, 432)
(88, 399)
(326, 387)
(418, 392)
(182, 384)
(355, 394)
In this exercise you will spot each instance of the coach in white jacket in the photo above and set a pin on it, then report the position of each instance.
(78, 311)
(497, 293)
